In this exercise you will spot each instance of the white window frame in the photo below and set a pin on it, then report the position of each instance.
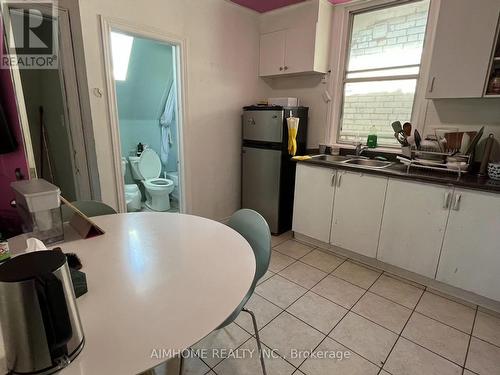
(341, 34)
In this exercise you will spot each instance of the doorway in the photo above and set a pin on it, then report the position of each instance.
(49, 106)
(143, 72)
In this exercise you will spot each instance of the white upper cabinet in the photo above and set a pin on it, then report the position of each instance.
(470, 258)
(463, 45)
(413, 226)
(313, 202)
(357, 212)
(295, 39)
(272, 53)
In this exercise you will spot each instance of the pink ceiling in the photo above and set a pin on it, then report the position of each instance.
(267, 5)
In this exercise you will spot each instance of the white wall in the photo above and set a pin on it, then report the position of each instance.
(222, 76)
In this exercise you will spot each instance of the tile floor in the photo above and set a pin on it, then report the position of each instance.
(312, 300)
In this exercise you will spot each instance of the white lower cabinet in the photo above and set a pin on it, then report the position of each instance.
(413, 225)
(470, 258)
(357, 212)
(313, 202)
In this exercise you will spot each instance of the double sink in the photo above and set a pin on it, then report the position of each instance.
(356, 161)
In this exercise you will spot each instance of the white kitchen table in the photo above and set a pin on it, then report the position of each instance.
(155, 281)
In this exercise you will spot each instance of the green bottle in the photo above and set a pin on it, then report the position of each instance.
(371, 142)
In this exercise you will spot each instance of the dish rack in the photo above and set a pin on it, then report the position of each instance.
(409, 159)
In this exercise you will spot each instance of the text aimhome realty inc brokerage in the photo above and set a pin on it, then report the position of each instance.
(224, 353)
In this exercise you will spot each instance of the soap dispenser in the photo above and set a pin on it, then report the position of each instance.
(140, 149)
(371, 142)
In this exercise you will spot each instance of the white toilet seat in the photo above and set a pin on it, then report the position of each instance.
(159, 184)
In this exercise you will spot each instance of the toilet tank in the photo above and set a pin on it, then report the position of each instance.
(174, 176)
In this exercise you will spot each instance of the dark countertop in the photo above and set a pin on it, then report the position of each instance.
(399, 170)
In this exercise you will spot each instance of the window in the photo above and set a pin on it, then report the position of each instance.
(121, 46)
(382, 70)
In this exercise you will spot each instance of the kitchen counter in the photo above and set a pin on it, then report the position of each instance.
(399, 170)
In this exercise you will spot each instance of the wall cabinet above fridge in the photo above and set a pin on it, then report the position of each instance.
(465, 46)
(295, 40)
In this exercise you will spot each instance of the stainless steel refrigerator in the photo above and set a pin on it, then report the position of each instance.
(268, 173)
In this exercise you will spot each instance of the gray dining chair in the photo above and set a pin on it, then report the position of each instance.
(253, 227)
(89, 208)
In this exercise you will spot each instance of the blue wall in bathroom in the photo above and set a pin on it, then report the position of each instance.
(141, 98)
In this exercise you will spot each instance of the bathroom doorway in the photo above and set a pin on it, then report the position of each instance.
(143, 74)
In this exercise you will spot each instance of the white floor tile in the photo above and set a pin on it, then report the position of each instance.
(303, 274)
(366, 338)
(286, 333)
(437, 337)
(317, 311)
(410, 359)
(264, 312)
(322, 260)
(382, 311)
(446, 311)
(280, 291)
(279, 261)
(351, 364)
(339, 291)
(397, 291)
(293, 249)
(487, 328)
(356, 274)
(483, 358)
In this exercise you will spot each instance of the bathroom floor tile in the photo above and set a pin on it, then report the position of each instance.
(410, 359)
(345, 362)
(437, 337)
(287, 334)
(338, 291)
(397, 291)
(229, 337)
(280, 291)
(279, 261)
(322, 260)
(303, 274)
(487, 328)
(317, 312)
(264, 312)
(366, 338)
(382, 311)
(356, 274)
(293, 249)
(446, 311)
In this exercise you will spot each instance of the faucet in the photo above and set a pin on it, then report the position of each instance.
(360, 148)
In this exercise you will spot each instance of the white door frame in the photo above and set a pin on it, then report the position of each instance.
(71, 103)
(180, 45)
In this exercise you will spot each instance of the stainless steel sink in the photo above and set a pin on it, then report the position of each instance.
(331, 158)
(369, 163)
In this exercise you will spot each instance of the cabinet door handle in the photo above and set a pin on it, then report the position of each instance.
(285, 67)
(281, 68)
(431, 88)
(446, 203)
(334, 179)
(339, 180)
(456, 204)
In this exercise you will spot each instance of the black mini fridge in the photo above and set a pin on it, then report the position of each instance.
(268, 173)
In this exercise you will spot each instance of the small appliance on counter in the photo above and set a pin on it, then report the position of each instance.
(268, 173)
(38, 203)
(41, 326)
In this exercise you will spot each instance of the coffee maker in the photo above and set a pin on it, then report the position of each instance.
(41, 327)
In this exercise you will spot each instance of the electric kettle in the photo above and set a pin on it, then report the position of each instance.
(41, 327)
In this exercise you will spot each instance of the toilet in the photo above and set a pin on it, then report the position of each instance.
(132, 193)
(147, 169)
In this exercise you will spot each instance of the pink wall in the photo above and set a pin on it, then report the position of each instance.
(267, 5)
(9, 220)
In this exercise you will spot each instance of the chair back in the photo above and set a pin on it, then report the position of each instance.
(254, 228)
(89, 208)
